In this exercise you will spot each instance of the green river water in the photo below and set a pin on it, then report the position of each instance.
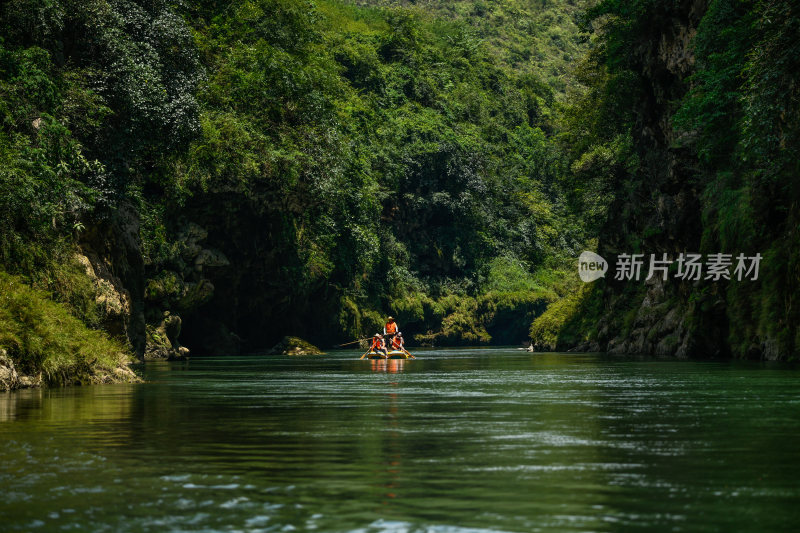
(455, 441)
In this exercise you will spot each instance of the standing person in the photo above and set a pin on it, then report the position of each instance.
(390, 329)
(378, 345)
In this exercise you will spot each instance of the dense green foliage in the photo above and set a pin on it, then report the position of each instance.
(729, 153)
(345, 160)
(282, 167)
(745, 108)
(93, 97)
(50, 344)
(538, 37)
(386, 156)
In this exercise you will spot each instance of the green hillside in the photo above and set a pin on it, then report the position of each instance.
(229, 173)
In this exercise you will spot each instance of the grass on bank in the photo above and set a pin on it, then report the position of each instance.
(43, 339)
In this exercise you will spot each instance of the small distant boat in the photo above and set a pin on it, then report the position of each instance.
(394, 354)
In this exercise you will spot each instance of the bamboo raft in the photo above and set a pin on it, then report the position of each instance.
(393, 354)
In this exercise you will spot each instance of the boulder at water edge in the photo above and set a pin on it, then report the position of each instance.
(294, 346)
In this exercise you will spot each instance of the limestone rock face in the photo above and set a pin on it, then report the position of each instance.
(184, 288)
(9, 379)
(210, 258)
(111, 296)
(195, 256)
(294, 346)
(162, 340)
(659, 317)
(111, 254)
(191, 237)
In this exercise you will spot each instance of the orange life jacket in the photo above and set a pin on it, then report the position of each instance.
(397, 343)
(391, 327)
(377, 343)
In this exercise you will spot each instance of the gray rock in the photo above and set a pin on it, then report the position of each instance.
(294, 346)
(26, 382)
(9, 379)
(210, 258)
(112, 248)
(162, 340)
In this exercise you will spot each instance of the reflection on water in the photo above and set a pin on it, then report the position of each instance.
(24, 401)
(392, 366)
(74, 404)
(456, 440)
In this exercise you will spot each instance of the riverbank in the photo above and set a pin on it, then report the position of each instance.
(42, 344)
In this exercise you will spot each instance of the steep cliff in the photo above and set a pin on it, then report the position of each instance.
(661, 211)
(112, 256)
(713, 101)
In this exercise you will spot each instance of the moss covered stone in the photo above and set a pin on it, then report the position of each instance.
(41, 343)
(162, 339)
(294, 346)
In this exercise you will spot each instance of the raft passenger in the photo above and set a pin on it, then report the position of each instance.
(390, 329)
(397, 343)
(379, 345)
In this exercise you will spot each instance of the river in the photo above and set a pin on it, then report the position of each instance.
(459, 440)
